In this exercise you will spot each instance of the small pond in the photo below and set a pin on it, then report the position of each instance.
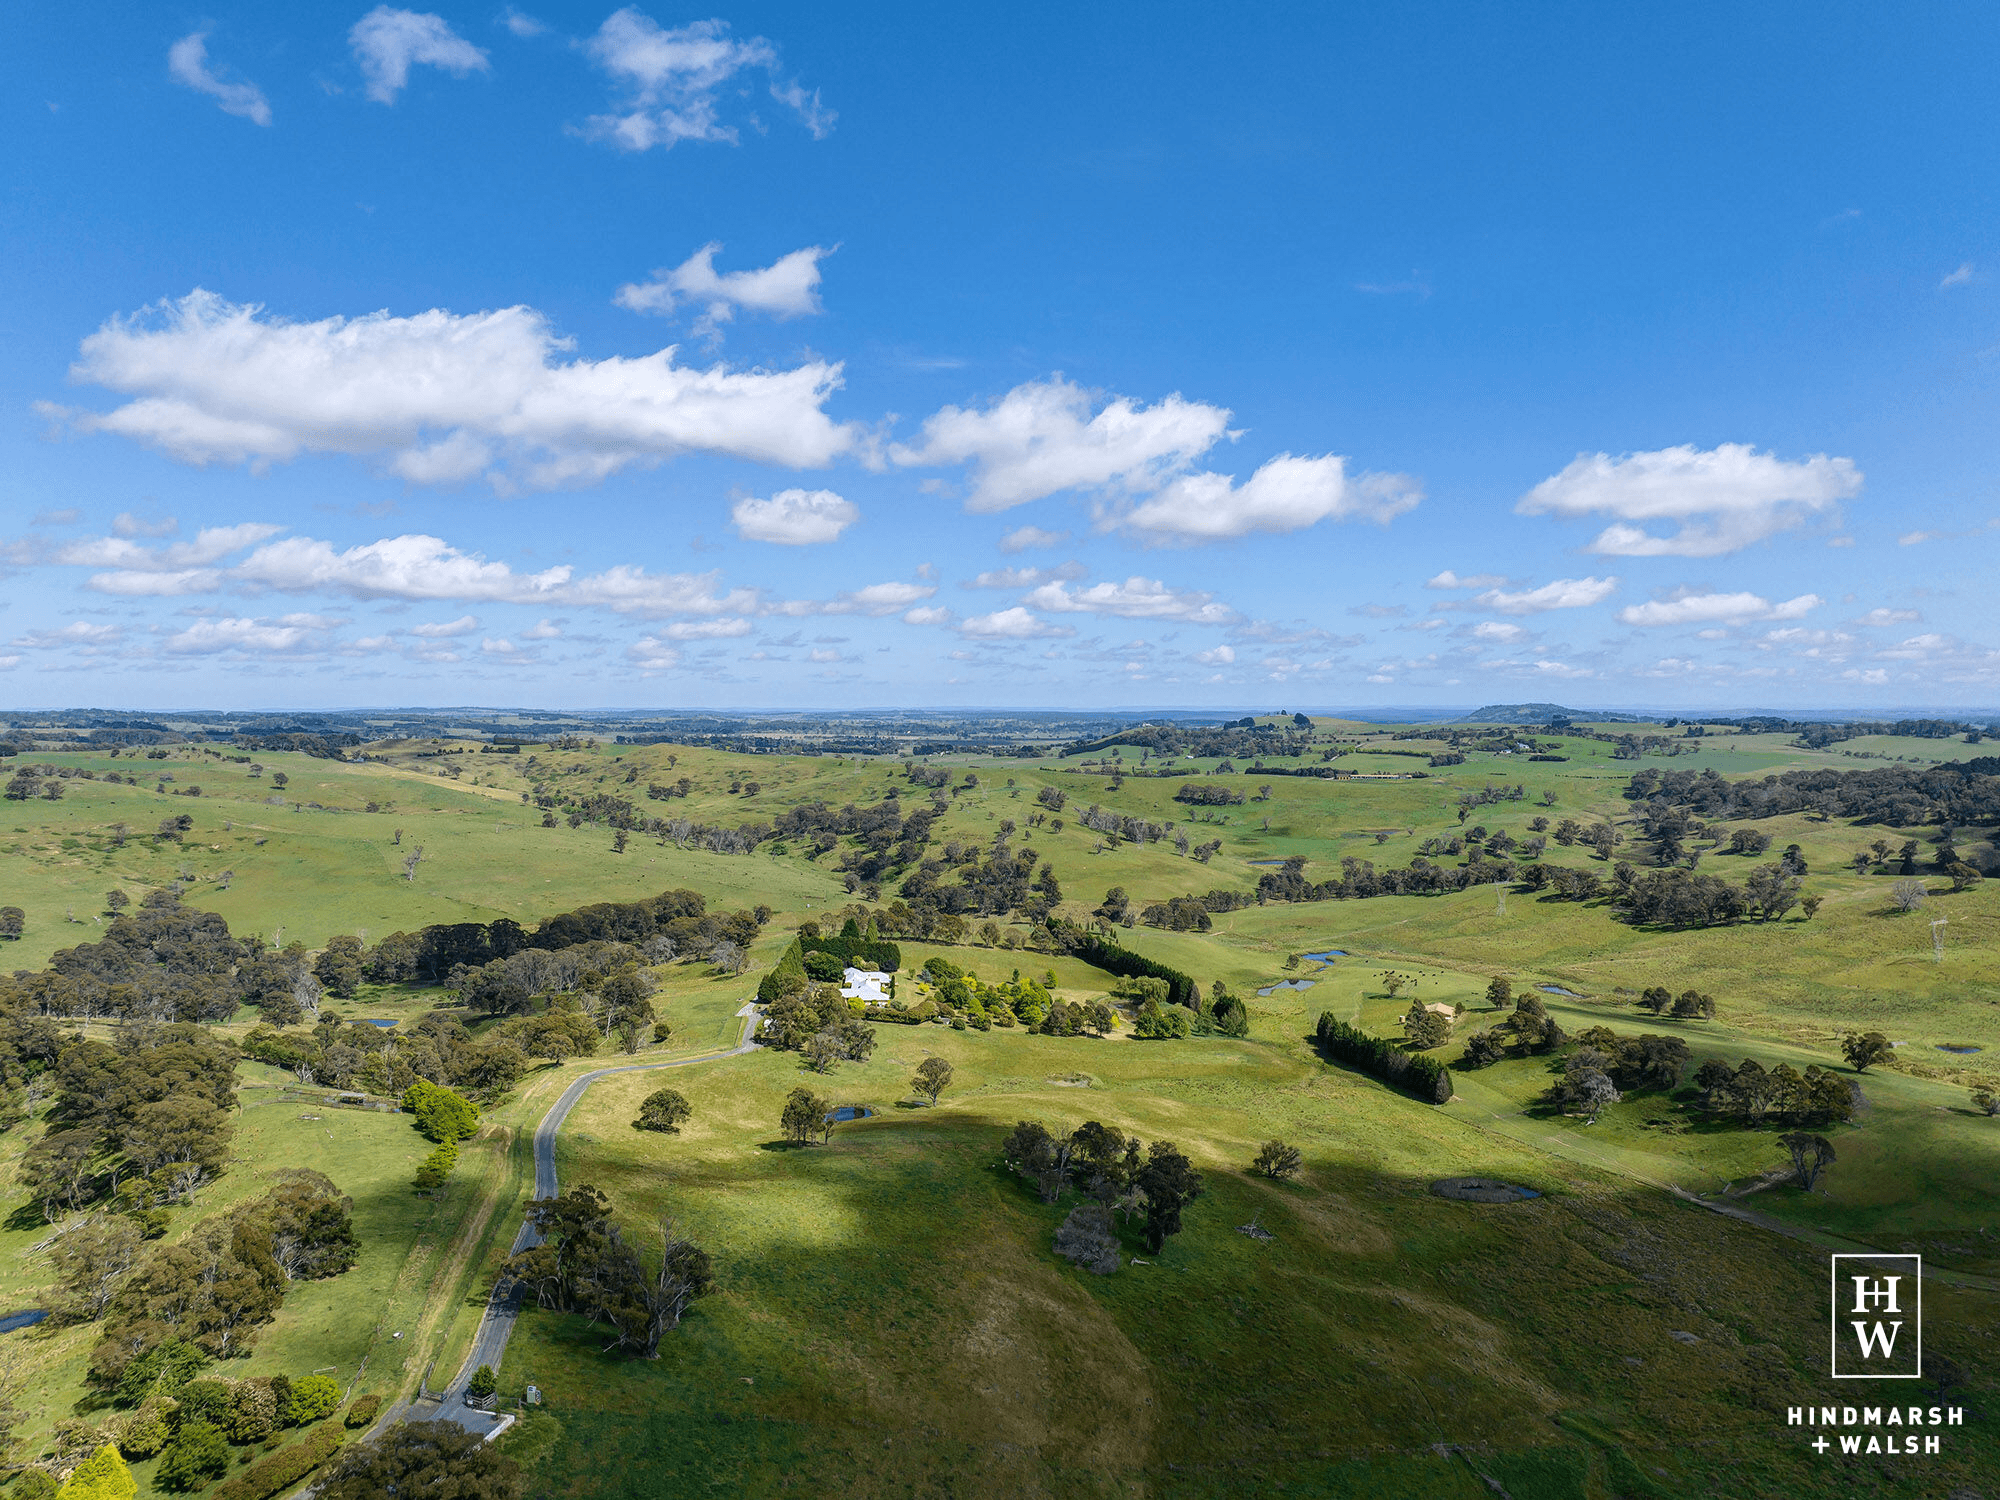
(1287, 984)
(373, 1022)
(851, 1112)
(1556, 989)
(1329, 955)
(1956, 1047)
(1274, 863)
(24, 1319)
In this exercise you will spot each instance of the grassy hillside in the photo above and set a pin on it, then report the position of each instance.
(890, 1318)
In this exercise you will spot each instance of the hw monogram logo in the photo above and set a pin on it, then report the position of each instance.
(1878, 1317)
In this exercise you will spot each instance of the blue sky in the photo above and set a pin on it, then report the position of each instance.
(1104, 356)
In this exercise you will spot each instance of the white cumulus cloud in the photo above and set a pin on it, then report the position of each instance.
(1134, 599)
(787, 288)
(1450, 580)
(1286, 494)
(440, 398)
(650, 654)
(1046, 436)
(1016, 624)
(417, 568)
(1886, 616)
(794, 518)
(283, 636)
(187, 61)
(1685, 607)
(1217, 656)
(1721, 499)
(1564, 593)
(387, 42)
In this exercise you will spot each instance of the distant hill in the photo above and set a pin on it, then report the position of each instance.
(1541, 713)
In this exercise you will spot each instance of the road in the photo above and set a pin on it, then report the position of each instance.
(496, 1324)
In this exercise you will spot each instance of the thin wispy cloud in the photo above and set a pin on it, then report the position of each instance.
(187, 62)
(674, 82)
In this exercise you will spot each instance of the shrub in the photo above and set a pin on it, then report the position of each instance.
(283, 1469)
(442, 1114)
(198, 1453)
(33, 1485)
(483, 1383)
(1278, 1160)
(362, 1413)
(314, 1397)
(102, 1476)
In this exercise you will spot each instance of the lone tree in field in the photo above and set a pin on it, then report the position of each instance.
(933, 1075)
(1811, 1156)
(13, 921)
(1986, 1101)
(1864, 1050)
(664, 1110)
(1169, 1183)
(1395, 982)
(1499, 993)
(804, 1116)
(1278, 1161)
(1907, 894)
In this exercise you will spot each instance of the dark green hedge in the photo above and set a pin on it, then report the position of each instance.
(1109, 956)
(1419, 1076)
(862, 953)
(283, 1469)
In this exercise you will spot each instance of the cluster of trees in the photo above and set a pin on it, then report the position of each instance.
(343, 1054)
(1782, 1094)
(965, 880)
(1604, 1064)
(1207, 794)
(209, 1292)
(1530, 1031)
(1953, 793)
(1682, 898)
(1242, 738)
(142, 1121)
(190, 1422)
(1102, 951)
(674, 924)
(1154, 1187)
(884, 839)
(584, 1264)
(1688, 1005)
(159, 962)
(423, 1458)
(1421, 1077)
(1117, 825)
(818, 1023)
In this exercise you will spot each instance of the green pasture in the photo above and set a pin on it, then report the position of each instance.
(890, 1318)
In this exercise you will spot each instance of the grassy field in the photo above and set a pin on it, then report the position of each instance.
(891, 1320)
